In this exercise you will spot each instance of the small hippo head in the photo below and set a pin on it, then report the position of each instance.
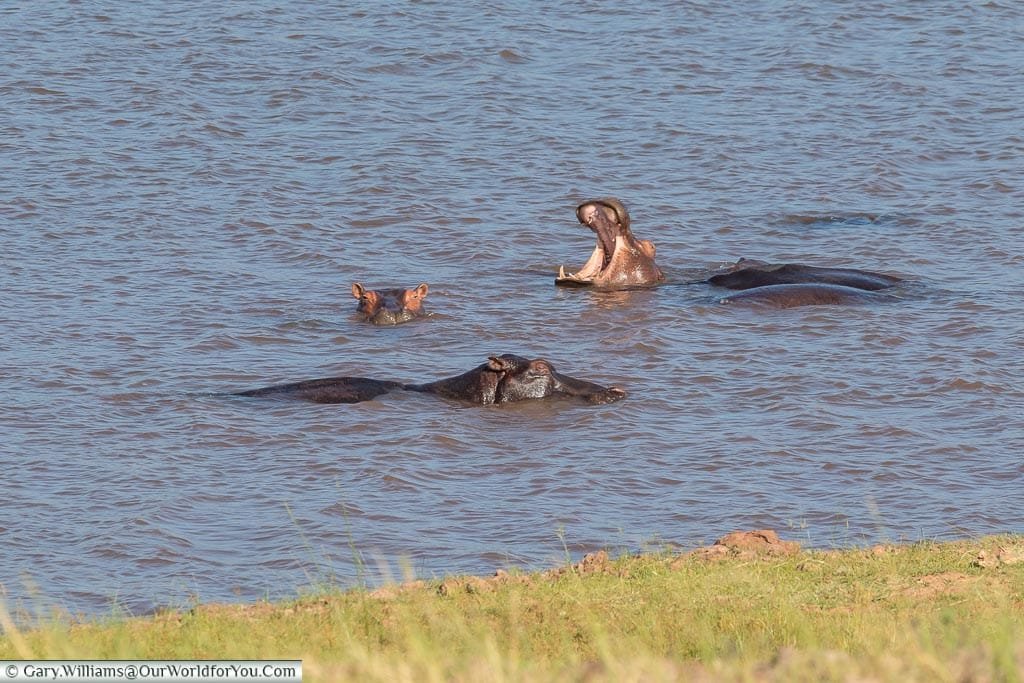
(527, 379)
(619, 260)
(389, 306)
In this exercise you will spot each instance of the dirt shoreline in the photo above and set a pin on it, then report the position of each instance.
(751, 545)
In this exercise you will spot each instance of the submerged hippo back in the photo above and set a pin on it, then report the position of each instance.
(804, 294)
(327, 390)
(762, 274)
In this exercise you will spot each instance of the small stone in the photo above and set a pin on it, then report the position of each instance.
(985, 560)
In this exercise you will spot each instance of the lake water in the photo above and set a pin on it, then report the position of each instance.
(190, 189)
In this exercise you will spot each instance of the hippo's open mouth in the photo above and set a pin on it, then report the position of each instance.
(603, 220)
(619, 260)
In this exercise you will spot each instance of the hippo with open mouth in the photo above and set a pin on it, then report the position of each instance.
(502, 379)
(620, 261)
(389, 306)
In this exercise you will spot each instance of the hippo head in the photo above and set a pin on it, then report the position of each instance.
(619, 260)
(527, 379)
(508, 378)
(389, 306)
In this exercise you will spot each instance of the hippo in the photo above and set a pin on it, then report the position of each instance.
(748, 273)
(791, 295)
(502, 379)
(620, 261)
(389, 306)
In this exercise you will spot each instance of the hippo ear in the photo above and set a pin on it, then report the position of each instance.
(358, 290)
(421, 291)
(496, 363)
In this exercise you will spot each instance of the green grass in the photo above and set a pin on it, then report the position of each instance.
(920, 612)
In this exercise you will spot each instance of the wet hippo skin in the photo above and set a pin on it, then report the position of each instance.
(389, 306)
(502, 379)
(745, 274)
(327, 390)
(804, 294)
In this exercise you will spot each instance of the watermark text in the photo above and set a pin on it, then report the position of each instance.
(168, 671)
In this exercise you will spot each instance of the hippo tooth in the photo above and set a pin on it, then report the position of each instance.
(561, 272)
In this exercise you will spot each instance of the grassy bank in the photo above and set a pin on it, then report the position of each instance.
(750, 608)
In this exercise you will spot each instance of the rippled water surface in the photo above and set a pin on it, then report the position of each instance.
(189, 190)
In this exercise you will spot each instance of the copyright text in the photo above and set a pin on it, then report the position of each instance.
(192, 671)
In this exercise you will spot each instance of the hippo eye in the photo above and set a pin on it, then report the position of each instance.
(539, 369)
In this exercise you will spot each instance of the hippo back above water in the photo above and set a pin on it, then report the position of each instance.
(793, 295)
(327, 390)
(746, 274)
